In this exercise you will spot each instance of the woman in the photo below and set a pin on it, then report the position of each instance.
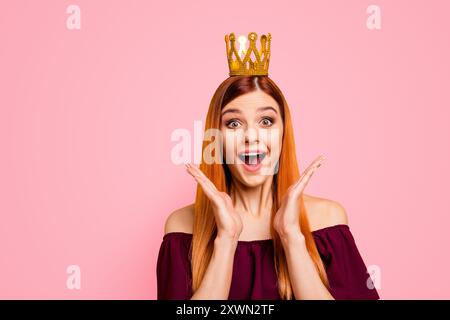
(252, 232)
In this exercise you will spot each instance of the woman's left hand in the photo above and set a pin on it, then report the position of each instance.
(287, 219)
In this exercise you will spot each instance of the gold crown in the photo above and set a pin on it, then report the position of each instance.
(238, 66)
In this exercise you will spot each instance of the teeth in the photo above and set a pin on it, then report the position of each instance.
(252, 154)
(252, 158)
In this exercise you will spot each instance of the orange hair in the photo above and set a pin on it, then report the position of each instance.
(205, 229)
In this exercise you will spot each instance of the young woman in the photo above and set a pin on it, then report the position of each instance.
(252, 233)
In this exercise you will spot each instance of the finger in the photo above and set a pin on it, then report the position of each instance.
(206, 184)
(315, 164)
(206, 188)
(204, 177)
(304, 179)
(300, 186)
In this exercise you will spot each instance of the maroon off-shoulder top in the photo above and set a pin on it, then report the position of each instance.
(254, 276)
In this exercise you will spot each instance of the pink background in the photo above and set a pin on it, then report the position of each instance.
(86, 118)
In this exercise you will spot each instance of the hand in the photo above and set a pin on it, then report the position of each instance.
(228, 220)
(287, 219)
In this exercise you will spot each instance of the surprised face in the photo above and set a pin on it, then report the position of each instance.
(252, 131)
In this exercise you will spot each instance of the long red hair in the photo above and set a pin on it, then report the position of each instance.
(205, 229)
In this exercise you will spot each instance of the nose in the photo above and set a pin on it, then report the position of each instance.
(251, 135)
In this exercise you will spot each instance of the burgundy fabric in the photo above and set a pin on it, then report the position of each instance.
(254, 275)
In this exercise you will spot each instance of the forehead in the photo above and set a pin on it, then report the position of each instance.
(249, 102)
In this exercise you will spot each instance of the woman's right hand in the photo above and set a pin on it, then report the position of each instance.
(228, 220)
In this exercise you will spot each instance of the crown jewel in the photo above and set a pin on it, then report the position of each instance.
(248, 61)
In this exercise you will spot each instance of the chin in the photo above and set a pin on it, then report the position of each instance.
(251, 180)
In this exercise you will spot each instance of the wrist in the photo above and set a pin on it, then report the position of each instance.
(225, 243)
(292, 238)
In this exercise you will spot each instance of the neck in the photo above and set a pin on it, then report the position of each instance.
(254, 201)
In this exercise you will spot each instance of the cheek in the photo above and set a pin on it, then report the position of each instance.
(230, 143)
(274, 138)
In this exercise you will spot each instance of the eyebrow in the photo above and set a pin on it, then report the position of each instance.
(259, 109)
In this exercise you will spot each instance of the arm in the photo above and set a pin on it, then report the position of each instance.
(305, 279)
(217, 280)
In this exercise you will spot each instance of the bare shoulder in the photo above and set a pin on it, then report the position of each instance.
(181, 220)
(323, 213)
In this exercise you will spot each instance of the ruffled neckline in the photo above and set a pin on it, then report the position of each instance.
(257, 241)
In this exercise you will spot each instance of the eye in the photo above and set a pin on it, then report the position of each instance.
(267, 121)
(232, 124)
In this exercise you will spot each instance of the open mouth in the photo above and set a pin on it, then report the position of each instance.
(252, 158)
